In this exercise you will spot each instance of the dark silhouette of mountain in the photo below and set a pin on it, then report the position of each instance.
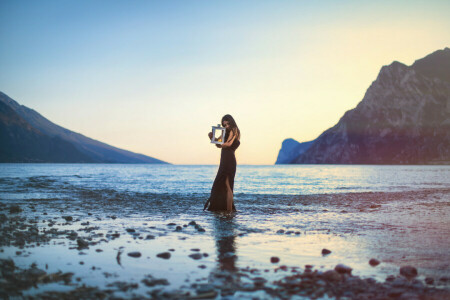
(26, 136)
(291, 149)
(404, 118)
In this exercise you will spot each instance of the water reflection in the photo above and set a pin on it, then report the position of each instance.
(224, 275)
(225, 234)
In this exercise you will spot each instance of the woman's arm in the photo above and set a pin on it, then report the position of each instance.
(230, 140)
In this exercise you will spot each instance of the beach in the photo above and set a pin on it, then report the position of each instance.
(85, 232)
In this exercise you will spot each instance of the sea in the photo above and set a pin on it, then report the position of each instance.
(399, 215)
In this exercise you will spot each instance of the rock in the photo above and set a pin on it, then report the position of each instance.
(164, 255)
(195, 256)
(82, 244)
(98, 250)
(205, 291)
(331, 275)
(259, 281)
(192, 223)
(14, 209)
(394, 293)
(35, 272)
(68, 218)
(178, 228)
(408, 271)
(274, 259)
(149, 237)
(202, 267)
(201, 230)
(130, 230)
(325, 251)
(429, 280)
(343, 269)
(135, 254)
(374, 262)
(280, 231)
(150, 281)
(171, 224)
(195, 249)
(113, 217)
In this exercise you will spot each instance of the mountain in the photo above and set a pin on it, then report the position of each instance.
(404, 118)
(291, 149)
(26, 136)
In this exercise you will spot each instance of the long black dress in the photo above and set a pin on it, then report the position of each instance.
(227, 169)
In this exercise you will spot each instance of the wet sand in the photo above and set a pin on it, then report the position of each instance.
(273, 247)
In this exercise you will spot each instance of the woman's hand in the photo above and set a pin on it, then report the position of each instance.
(210, 135)
(218, 146)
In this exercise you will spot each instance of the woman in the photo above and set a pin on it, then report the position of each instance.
(222, 191)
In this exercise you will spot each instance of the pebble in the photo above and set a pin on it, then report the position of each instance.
(195, 249)
(130, 230)
(325, 251)
(82, 244)
(163, 255)
(178, 228)
(98, 250)
(149, 237)
(429, 280)
(171, 224)
(280, 231)
(68, 218)
(408, 271)
(192, 223)
(331, 275)
(14, 209)
(374, 262)
(343, 269)
(135, 254)
(195, 256)
(274, 259)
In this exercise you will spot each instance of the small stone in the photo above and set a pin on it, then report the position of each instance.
(130, 230)
(192, 223)
(149, 237)
(374, 262)
(394, 293)
(429, 280)
(325, 251)
(331, 275)
(195, 256)
(280, 231)
(135, 254)
(259, 281)
(195, 249)
(81, 262)
(308, 266)
(205, 291)
(98, 250)
(343, 269)
(82, 244)
(202, 267)
(171, 224)
(113, 217)
(408, 271)
(68, 218)
(14, 209)
(274, 259)
(297, 232)
(164, 255)
(201, 230)
(178, 228)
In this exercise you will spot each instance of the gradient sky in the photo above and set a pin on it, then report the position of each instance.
(154, 76)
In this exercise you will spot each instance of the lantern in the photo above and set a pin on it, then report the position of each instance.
(218, 134)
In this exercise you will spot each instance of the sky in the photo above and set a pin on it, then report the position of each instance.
(152, 77)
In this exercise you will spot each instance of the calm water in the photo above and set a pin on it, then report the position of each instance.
(44, 180)
(397, 214)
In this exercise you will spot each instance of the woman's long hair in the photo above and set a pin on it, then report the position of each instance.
(233, 125)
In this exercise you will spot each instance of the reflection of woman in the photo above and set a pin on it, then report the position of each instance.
(221, 197)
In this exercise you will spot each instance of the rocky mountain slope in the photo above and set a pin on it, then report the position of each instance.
(26, 136)
(404, 118)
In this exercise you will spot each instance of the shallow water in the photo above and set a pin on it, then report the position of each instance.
(397, 214)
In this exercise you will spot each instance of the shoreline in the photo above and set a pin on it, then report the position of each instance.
(103, 254)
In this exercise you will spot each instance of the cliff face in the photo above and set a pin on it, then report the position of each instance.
(404, 118)
(291, 149)
(27, 136)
